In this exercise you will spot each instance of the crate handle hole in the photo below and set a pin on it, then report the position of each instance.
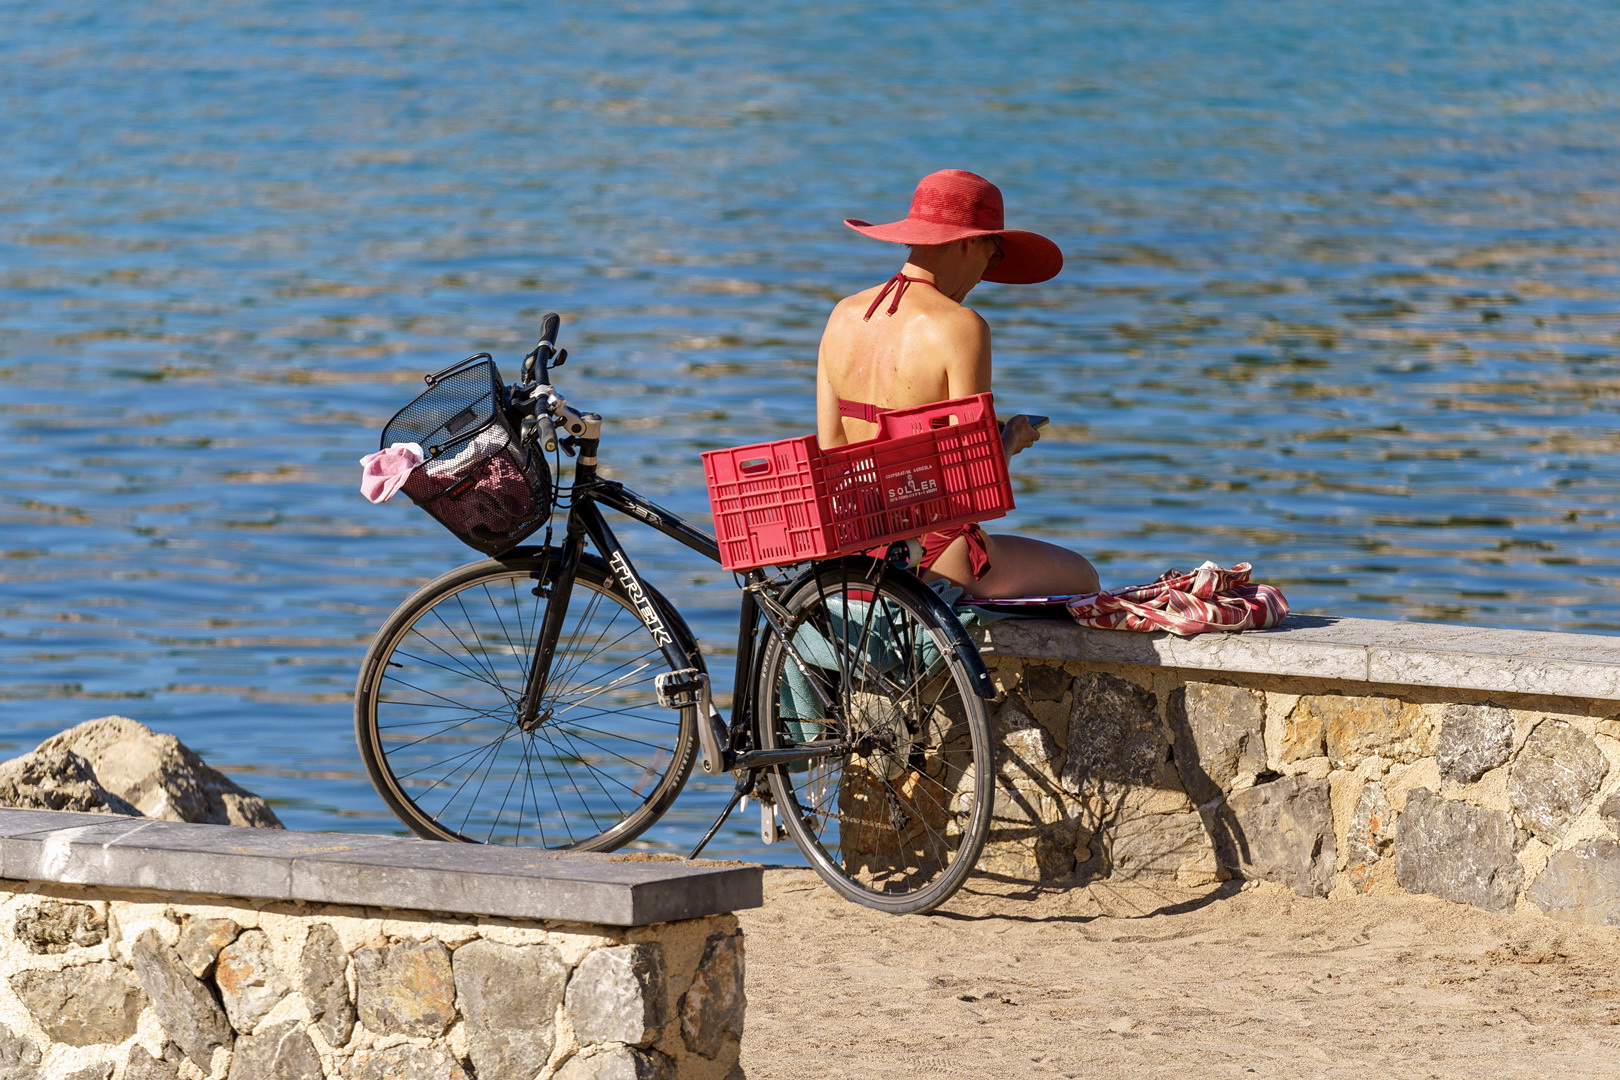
(944, 421)
(755, 465)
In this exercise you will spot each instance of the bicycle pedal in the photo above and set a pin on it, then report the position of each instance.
(681, 689)
(769, 831)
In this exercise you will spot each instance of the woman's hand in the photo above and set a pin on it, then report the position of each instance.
(1017, 435)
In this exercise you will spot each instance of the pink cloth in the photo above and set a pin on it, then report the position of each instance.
(1208, 599)
(383, 473)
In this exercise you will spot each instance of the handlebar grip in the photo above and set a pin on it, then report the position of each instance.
(548, 432)
(550, 323)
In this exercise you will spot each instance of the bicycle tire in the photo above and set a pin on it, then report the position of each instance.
(437, 700)
(898, 823)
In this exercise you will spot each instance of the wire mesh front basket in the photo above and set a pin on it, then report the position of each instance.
(478, 480)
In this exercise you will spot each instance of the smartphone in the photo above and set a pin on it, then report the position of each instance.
(1038, 421)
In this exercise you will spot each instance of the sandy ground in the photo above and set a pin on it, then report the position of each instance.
(1115, 981)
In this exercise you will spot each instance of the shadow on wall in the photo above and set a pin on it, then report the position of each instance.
(1095, 783)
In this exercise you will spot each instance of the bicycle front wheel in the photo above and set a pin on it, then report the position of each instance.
(896, 820)
(437, 710)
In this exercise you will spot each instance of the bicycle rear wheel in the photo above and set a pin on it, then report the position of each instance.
(436, 710)
(897, 822)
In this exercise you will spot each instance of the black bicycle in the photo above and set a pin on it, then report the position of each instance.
(549, 695)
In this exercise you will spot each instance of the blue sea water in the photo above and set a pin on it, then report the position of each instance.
(1340, 301)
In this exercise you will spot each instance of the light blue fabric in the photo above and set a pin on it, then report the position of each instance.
(878, 652)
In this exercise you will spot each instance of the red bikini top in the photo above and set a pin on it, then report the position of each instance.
(860, 410)
(900, 280)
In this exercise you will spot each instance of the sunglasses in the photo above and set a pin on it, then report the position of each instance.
(995, 260)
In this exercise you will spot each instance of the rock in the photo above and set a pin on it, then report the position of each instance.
(1456, 851)
(1474, 739)
(617, 995)
(406, 989)
(1283, 832)
(201, 941)
(1355, 727)
(1554, 776)
(1370, 836)
(1219, 734)
(326, 985)
(1159, 848)
(280, 1052)
(404, 1063)
(82, 1006)
(618, 1063)
(1581, 884)
(1114, 734)
(249, 982)
(57, 779)
(712, 1008)
(55, 926)
(1610, 813)
(101, 1071)
(143, 1066)
(508, 996)
(1304, 732)
(159, 775)
(19, 1056)
(184, 1006)
(1026, 751)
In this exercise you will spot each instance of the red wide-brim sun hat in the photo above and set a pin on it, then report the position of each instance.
(954, 204)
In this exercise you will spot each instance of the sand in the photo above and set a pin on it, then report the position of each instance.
(1133, 981)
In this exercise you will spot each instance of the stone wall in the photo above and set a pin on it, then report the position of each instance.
(1503, 799)
(107, 984)
(104, 980)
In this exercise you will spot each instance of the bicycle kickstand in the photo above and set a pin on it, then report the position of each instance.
(745, 784)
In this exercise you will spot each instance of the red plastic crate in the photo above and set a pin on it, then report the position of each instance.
(928, 469)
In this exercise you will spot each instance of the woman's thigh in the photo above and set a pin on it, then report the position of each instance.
(1019, 566)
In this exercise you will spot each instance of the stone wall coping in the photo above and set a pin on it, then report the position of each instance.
(1358, 650)
(630, 889)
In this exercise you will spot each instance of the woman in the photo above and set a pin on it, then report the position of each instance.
(910, 341)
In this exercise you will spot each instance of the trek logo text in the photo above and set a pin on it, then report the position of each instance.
(638, 596)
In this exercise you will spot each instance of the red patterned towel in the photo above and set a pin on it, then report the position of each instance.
(1208, 599)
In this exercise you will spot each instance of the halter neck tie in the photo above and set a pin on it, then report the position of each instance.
(900, 280)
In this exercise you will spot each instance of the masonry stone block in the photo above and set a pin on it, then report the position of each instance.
(1610, 813)
(406, 989)
(1457, 851)
(19, 1055)
(1219, 735)
(1370, 836)
(1354, 727)
(404, 1062)
(1160, 847)
(280, 1052)
(1474, 739)
(101, 1070)
(249, 982)
(1556, 773)
(1114, 734)
(617, 995)
(201, 940)
(184, 1006)
(1283, 832)
(618, 1063)
(508, 997)
(143, 1065)
(325, 983)
(712, 1008)
(55, 927)
(83, 1005)
(1581, 884)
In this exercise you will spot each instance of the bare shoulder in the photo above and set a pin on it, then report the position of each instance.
(956, 326)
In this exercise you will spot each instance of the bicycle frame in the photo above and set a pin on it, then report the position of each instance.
(725, 746)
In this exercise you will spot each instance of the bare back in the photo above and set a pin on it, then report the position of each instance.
(932, 348)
